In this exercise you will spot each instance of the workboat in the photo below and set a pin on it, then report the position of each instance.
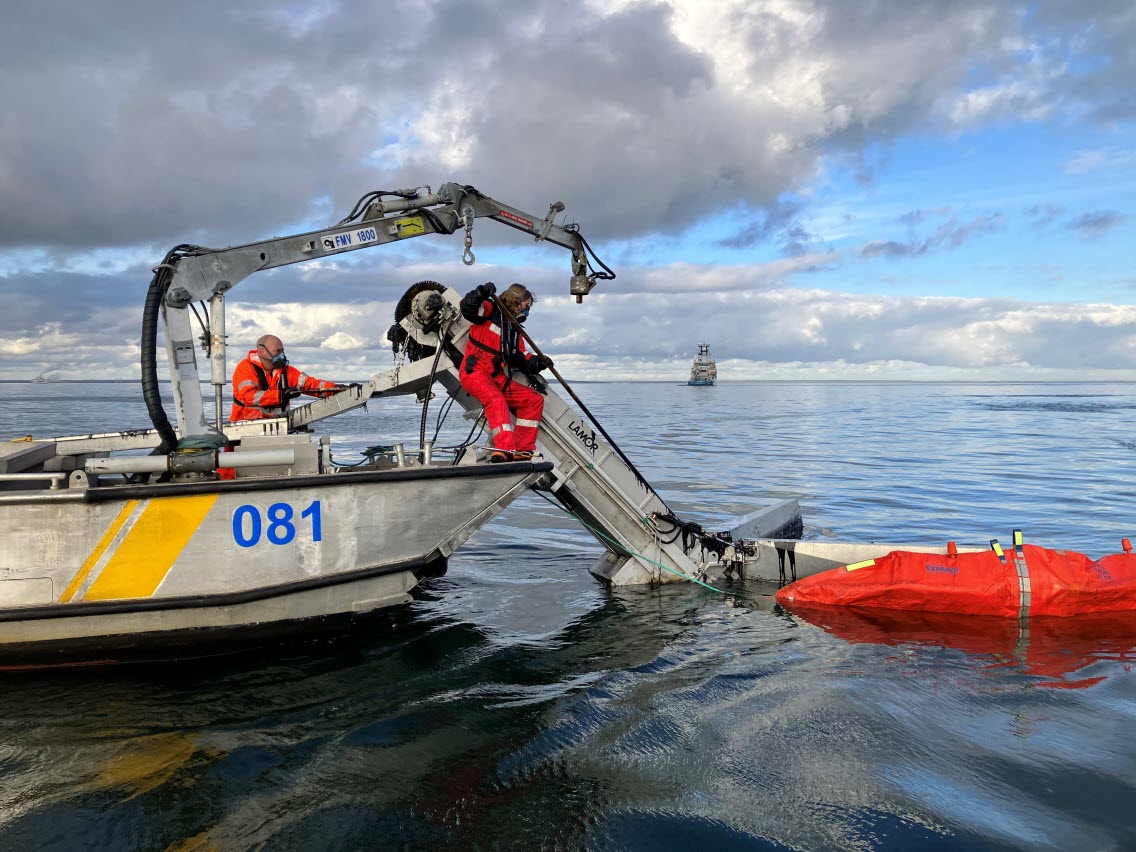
(133, 542)
(703, 372)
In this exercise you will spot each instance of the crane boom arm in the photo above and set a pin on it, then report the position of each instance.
(207, 272)
(195, 274)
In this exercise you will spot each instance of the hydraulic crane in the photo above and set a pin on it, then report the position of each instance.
(645, 541)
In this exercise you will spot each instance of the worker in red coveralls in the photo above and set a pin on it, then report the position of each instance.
(264, 383)
(494, 352)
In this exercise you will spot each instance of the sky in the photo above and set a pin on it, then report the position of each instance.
(820, 189)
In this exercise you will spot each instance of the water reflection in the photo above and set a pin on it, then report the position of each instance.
(332, 744)
(1054, 649)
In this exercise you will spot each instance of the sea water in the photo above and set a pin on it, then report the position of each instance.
(517, 703)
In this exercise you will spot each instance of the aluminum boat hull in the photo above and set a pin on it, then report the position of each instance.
(90, 569)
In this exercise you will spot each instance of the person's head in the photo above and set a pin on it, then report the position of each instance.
(270, 350)
(518, 300)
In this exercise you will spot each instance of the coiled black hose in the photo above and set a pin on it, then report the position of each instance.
(151, 393)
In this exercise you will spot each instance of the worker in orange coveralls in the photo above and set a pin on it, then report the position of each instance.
(495, 350)
(264, 383)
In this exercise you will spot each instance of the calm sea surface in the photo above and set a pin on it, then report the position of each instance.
(520, 704)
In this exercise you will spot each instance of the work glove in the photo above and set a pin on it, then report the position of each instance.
(288, 394)
(546, 363)
(487, 290)
(538, 384)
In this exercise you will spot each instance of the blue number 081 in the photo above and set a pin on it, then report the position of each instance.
(277, 523)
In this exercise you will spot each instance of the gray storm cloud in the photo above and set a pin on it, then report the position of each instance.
(127, 123)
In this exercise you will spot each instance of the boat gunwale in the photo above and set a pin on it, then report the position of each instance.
(281, 482)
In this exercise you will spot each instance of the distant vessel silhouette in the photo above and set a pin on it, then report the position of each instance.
(703, 372)
(42, 379)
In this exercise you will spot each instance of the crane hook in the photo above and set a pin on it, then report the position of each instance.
(467, 256)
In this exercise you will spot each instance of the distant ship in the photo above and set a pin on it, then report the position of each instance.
(704, 371)
(42, 379)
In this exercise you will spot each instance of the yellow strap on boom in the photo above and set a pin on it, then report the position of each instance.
(997, 548)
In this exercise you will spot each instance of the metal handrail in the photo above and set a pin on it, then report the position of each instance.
(36, 477)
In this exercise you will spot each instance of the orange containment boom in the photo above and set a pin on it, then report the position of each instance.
(1025, 581)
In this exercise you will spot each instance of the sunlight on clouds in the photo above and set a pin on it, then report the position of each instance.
(942, 334)
(812, 330)
(340, 341)
(1024, 97)
(311, 325)
(992, 102)
(723, 32)
(48, 338)
(444, 125)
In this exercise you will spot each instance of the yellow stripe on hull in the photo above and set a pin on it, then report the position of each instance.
(97, 552)
(151, 547)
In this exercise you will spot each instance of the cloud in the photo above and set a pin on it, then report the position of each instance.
(1102, 86)
(948, 235)
(1043, 215)
(1026, 97)
(1097, 223)
(1101, 159)
(700, 278)
(645, 116)
(778, 224)
(816, 326)
(749, 314)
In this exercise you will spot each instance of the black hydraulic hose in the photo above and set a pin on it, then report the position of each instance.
(469, 439)
(151, 394)
(443, 413)
(437, 223)
(426, 401)
(374, 195)
(608, 274)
